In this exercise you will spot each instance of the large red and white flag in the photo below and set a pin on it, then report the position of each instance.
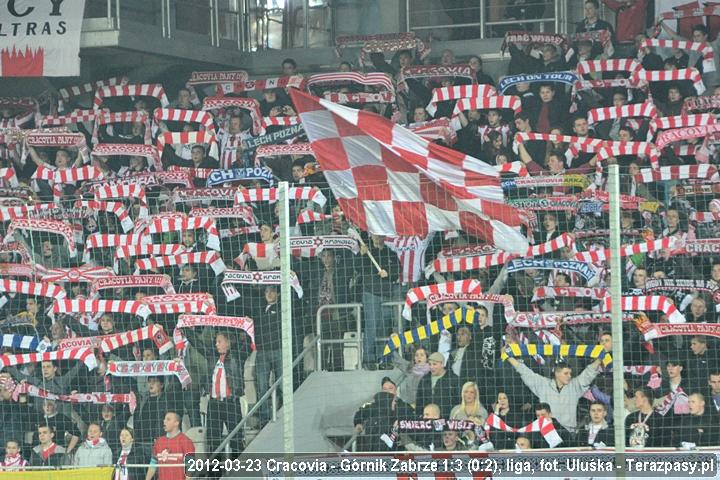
(40, 39)
(390, 181)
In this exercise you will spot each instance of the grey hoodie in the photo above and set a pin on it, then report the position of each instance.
(563, 402)
(93, 456)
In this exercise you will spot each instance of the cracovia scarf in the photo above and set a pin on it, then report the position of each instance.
(84, 355)
(189, 321)
(150, 369)
(448, 289)
(47, 226)
(13, 462)
(265, 277)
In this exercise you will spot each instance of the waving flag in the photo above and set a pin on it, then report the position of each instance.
(390, 181)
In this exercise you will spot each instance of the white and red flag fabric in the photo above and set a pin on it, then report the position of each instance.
(390, 181)
(40, 39)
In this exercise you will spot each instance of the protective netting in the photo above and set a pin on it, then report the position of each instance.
(140, 258)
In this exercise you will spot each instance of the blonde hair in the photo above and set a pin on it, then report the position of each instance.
(475, 406)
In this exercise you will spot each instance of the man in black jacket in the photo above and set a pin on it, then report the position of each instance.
(267, 341)
(151, 410)
(597, 431)
(377, 287)
(377, 417)
(698, 428)
(226, 387)
(441, 387)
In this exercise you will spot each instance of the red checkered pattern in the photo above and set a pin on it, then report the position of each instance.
(76, 90)
(614, 65)
(113, 207)
(76, 116)
(280, 121)
(140, 90)
(213, 259)
(271, 195)
(36, 289)
(131, 307)
(419, 294)
(339, 78)
(645, 109)
(678, 172)
(645, 303)
(708, 63)
(8, 175)
(389, 181)
(122, 117)
(602, 254)
(249, 104)
(47, 226)
(84, 355)
(454, 93)
(497, 102)
(151, 332)
(672, 76)
(181, 222)
(137, 192)
(129, 149)
(185, 138)
(186, 116)
(180, 303)
(283, 149)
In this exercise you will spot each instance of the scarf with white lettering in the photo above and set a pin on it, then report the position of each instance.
(264, 277)
(150, 369)
(190, 321)
(46, 226)
(132, 281)
(131, 150)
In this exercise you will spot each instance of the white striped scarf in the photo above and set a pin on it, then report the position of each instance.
(58, 137)
(690, 74)
(271, 195)
(418, 294)
(294, 81)
(244, 212)
(554, 292)
(230, 145)
(123, 281)
(98, 398)
(76, 90)
(57, 177)
(280, 121)
(24, 211)
(615, 148)
(185, 116)
(180, 303)
(542, 425)
(437, 129)
(212, 258)
(517, 168)
(678, 172)
(283, 149)
(27, 342)
(705, 217)
(704, 49)
(454, 264)
(645, 109)
(73, 275)
(496, 102)
(155, 90)
(677, 400)
(129, 149)
(107, 118)
(189, 321)
(602, 254)
(310, 216)
(185, 138)
(110, 240)
(677, 121)
(37, 289)
(648, 302)
(134, 250)
(116, 208)
(150, 369)
(47, 226)
(74, 117)
(613, 65)
(669, 136)
(84, 355)
(338, 78)
(249, 104)
(134, 191)
(360, 97)
(155, 333)
(454, 93)
(700, 104)
(181, 222)
(131, 307)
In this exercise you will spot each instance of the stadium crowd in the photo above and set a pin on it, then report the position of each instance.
(140, 263)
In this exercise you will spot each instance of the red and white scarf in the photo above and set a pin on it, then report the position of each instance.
(249, 104)
(280, 121)
(41, 289)
(137, 192)
(181, 222)
(645, 303)
(185, 116)
(180, 303)
(150, 369)
(343, 78)
(8, 175)
(123, 117)
(217, 76)
(440, 290)
(437, 129)
(677, 401)
(98, 398)
(55, 138)
(220, 388)
(310, 216)
(701, 104)
(271, 195)
(13, 463)
(677, 134)
(185, 138)
(652, 331)
(358, 98)
(77, 90)
(155, 90)
(130, 281)
(294, 81)
(482, 103)
(213, 259)
(645, 109)
(84, 355)
(704, 49)
(444, 94)
(47, 226)
(131, 307)
(73, 275)
(690, 74)
(283, 149)
(116, 208)
(244, 212)
(543, 292)
(264, 277)
(602, 254)
(631, 65)
(74, 117)
(189, 321)
(542, 425)
(678, 121)
(677, 172)
(129, 149)
(108, 240)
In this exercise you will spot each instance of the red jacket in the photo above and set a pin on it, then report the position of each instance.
(629, 21)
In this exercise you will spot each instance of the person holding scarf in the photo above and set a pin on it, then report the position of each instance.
(129, 454)
(94, 450)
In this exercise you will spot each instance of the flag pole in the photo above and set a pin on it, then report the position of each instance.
(616, 273)
(286, 322)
